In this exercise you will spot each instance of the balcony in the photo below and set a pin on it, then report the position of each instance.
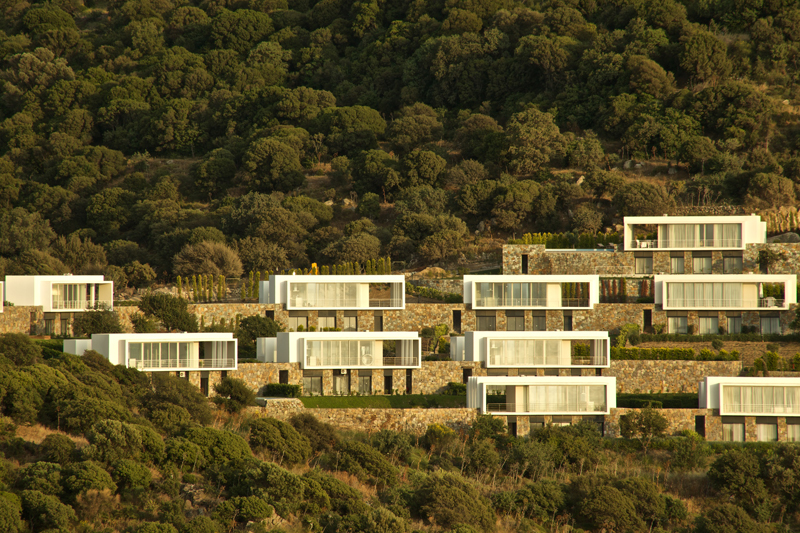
(758, 408)
(363, 361)
(157, 364)
(81, 304)
(747, 303)
(548, 407)
(385, 302)
(686, 243)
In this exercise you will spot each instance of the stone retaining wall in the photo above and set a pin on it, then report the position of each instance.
(443, 285)
(679, 420)
(372, 420)
(26, 319)
(667, 376)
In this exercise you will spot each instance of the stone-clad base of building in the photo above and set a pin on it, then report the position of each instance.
(414, 421)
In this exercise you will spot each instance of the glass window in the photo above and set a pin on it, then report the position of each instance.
(486, 323)
(644, 265)
(49, 326)
(735, 324)
(767, 431)
(709, 325)
(327, 322)
(298, 323)
(312, 385)
(515, 321)
(678, 324)
(539, 323)
(701, 265)
(793, 429)
(770, 324)
(732, 265)
(733, 432)
(676, 265)
(350, 323)
(364, 384)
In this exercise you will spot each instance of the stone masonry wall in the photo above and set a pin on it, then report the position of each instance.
(433, 376)
(257, 375)
(444, 285)
(667, 376)
(679, 420)
(788, 264)
(372, 420)
(22, 319)
(608, 317)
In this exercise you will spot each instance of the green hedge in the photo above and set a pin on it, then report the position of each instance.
(743, 337)
(666, 401)
(434, 294)
(282, 390)
(670, 354)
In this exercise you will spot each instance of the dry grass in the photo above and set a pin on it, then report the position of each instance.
(37, 433)
(369, 491)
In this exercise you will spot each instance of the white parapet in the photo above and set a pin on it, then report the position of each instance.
(550, 395)
(531, 291)
(314, 292)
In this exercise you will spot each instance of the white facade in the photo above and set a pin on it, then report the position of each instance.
(310, 292)
(2, 296)
(555, 395)
(60, 293)
(533, 349)
(343, 349)
(150, 352)
(694, 233)
(723, 291)
(531, 292)
(751, 396)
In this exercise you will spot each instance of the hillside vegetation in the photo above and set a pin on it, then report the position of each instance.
(89, 447)
(151, 138)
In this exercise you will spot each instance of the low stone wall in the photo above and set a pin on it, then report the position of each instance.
(667, 376)
(443, 285)
(679, 420)
(372, 420)
(25, 319)
(433, 376)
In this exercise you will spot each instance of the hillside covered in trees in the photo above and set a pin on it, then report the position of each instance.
(89, 447)
(152, 138)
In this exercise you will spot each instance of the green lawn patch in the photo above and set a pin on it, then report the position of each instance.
(408, 401)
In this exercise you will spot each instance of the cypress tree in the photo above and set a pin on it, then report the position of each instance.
(221, 288)
(194, 288)
(180, 288)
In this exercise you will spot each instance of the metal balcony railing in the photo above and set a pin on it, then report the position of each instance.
(332, 303)
(687, 243)
(181, 362)
(555, 408)
(81, 304)
(722, 302)
(512, 360)
(762, 408)
(366, 360)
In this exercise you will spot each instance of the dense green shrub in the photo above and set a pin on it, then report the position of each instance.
(233, 395)
(243, 509)
(170, 310)
(184, 454)
(320, 435)
(727, 517)
(78, 478)
(42, 477)
(202, 524)
(671, 354)
(456, 389)
(280, 440)
(449, 500)
(112, 440)
(153, 527)
(168, 418)
(90, 322)
(219, 446)
(609, 508)
(19, 349)
(46, 512)
(434, 294)
(677, 400)
(10, 510)
(171, 390)
(362, 461)
(282, 390)
(130, 474)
